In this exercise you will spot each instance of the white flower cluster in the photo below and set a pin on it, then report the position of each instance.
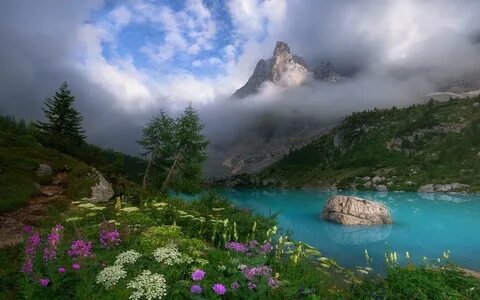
(130, 209)
(73, 219)
(168, 255)
(127, 257)
(149, 285)
(110, 276)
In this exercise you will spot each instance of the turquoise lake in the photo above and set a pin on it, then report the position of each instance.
(424, 225)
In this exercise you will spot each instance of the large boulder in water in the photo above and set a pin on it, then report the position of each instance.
(350, 210)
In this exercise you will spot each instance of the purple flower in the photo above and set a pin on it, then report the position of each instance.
(27, 228)
(53, 239)
(76, 267)
(109, 238)
(265, 248)
(249, 273)
(196, 289)
(31, 245)
(235, 246)
(235, 285)
(80, 248)
(61, 270)
(27, 266)
(219, 289)
(273, 283)
(44, 282)
(198, 274)
(252, 286)
(252, 244)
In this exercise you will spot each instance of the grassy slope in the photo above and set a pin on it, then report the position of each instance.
(20, 156)
(435, 157)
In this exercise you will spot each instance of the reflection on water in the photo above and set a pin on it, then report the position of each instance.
(357, 235)
(424, 225)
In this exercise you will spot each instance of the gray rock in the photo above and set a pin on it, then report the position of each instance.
(350, 210)
(444, 188)
(44, 170)
(381, 188)
(102, 191)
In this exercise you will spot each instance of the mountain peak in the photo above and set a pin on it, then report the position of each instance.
(281, 47)
(286, 69)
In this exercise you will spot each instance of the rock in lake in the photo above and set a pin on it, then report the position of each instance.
(43, 170)
(350, 210)
(443, 188)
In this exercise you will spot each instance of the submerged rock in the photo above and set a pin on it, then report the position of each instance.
(350, 210)
(443, 188)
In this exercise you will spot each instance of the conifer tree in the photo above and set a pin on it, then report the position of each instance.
(64, 123)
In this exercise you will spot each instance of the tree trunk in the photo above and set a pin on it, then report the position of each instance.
(144, 181)
(170, 172)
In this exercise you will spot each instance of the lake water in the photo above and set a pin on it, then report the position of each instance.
(424, 225)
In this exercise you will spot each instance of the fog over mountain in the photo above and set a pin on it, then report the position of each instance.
(126, 60)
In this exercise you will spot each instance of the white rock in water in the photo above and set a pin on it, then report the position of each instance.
(350, 210)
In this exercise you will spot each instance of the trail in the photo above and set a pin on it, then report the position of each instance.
(12, 223)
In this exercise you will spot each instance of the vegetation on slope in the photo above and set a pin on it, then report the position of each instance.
(403, 149)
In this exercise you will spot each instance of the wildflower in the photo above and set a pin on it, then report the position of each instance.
(109, 238)
(265, 248)
(222, 268)
(273, 283)
(198, 274)
(249, 273)
(44, 281)
(168, 255)
(61, 270)
(72, 219)
(367, 257)
(235, 246)
(80, 248)
(110, 276)
(407, 255)
(129, 209)
(53, 239)
(196, 289)
(252, 286)
(219, 289)
(235, 285)
(149, 285)
(127, 257)
(201, 261)
(76, 267)
(32, 243)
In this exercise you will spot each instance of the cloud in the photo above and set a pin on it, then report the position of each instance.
(125, 62)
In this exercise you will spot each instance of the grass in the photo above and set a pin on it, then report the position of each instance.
(423, 154)
(199, 231)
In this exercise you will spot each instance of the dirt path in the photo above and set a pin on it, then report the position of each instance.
(12, 223)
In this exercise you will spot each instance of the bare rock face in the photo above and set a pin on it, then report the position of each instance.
(43, 170)
(350, 210)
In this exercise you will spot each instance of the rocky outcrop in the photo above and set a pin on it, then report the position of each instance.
(350, 210)
(43, 170)
(102, 191)
(285, 68)
(444, 188)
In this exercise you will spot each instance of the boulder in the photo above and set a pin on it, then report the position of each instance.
(102, 191)
(444, 188)
(43, 170)
(381, 188)
(350, 210)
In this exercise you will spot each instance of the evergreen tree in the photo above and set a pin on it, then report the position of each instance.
(186, 169)
(159, 144)
(64, 122)
(175, 151)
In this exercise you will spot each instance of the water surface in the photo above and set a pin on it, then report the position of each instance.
(424, 225)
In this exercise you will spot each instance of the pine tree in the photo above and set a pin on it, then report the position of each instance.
(159, 144)
(64, 122)
(186, 169)
(175, 151)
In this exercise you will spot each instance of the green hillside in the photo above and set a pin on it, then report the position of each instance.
(21, 153)
(402, 149)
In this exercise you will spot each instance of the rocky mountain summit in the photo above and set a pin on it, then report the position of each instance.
(285, 68)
